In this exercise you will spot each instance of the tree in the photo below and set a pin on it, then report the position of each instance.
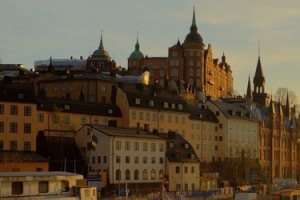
(281, 94)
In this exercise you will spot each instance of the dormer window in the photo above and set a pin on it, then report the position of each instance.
(173, 105)
(151, 103)
(166, 104)
(67, 107)
(20, 96)
(110, 111)
(192, 156)
(186, 145)
(180, 106)
(137, 101)
(171, 144)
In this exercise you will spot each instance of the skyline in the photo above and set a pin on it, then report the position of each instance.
(36, 30)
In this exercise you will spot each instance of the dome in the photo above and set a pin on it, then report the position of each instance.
(137, 53)
(193, 36)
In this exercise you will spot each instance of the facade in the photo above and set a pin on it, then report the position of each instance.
(236, 140)
(132, 155)
(17, 129)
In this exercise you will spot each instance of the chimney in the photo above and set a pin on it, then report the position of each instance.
(146, 127)
(72, 58)
(138, 128)
(113, 94)
(81, 57)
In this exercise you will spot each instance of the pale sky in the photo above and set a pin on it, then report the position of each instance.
(37, 29)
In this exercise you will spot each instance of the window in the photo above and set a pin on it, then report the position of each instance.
(191, 53)
(166, 104)
(103, 88)
(161, 117)
(118, 145)
(153, 160)
(99, 159)
(154, 117)
(136, 159)
(16, 188)
(145, 160)
(40, 117)
(148, 116)
(80, 86)
(183, 119)
(127, 159)
(141, 115)
(105, 121)
(55, 118)
(153, 174)
(170, 118)
(43, 186)
(96, 120)
(153, 147)
(186, 170)
(1, 144)
(27, 128)
(162, 72)
(20, 96)
(83, 120)
(1, 108)
(136, 146)
(192, 170)
(137, 101)
(92, 98)
(1, 127)
(104, 159)
(145, 146)
(133, 115)
(71, 87)
(13, 127)
(55, 87)
(67, 119)
(65, 186)
(92, 86)
(13, 145)
(174, 53)
(63, 87)
(145, 174)
(27, 111)
(27, 146)
(127, 174)
(118, 159)
(13, 110)
(174, 72)
(103, 99)
(176, 119)
(161, 160)
(161, 147)
(180, 106)
(177, 170)
(127, 145)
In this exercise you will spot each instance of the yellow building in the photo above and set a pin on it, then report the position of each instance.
(17, 133)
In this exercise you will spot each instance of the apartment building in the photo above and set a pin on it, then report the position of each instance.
(17, 129)
(132, 155)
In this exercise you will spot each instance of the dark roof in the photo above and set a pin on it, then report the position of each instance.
(123, 132)
(21, 156)
(202, 114)
(159, 97)
(78, 106)
(233, 110)
(17, 92)
(179, 152)
(14, 67)
(87, 75)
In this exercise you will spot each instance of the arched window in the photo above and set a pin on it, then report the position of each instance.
(145, 174)
(127, 174)
(118, 174)
(153, 174)
(136, 174)
(161, 174)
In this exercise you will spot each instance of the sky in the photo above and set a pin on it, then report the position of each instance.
(34, 30)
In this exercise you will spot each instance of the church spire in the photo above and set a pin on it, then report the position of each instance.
(194, 18)
(259, 79)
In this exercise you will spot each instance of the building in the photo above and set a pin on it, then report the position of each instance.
(12, 70)
(236, 141)
(58, 66)
(17, 129)
(132, 155)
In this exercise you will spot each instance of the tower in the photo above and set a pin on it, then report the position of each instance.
(136, 59)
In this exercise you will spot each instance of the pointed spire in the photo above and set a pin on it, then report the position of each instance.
(101, 42)
(178, 42)
(194, 18)
(259, 79)
(137, 45)
(271, 107)
(249, 89)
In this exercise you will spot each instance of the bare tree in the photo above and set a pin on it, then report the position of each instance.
(281, 94)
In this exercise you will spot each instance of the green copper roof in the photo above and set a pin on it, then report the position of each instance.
(137, 53)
